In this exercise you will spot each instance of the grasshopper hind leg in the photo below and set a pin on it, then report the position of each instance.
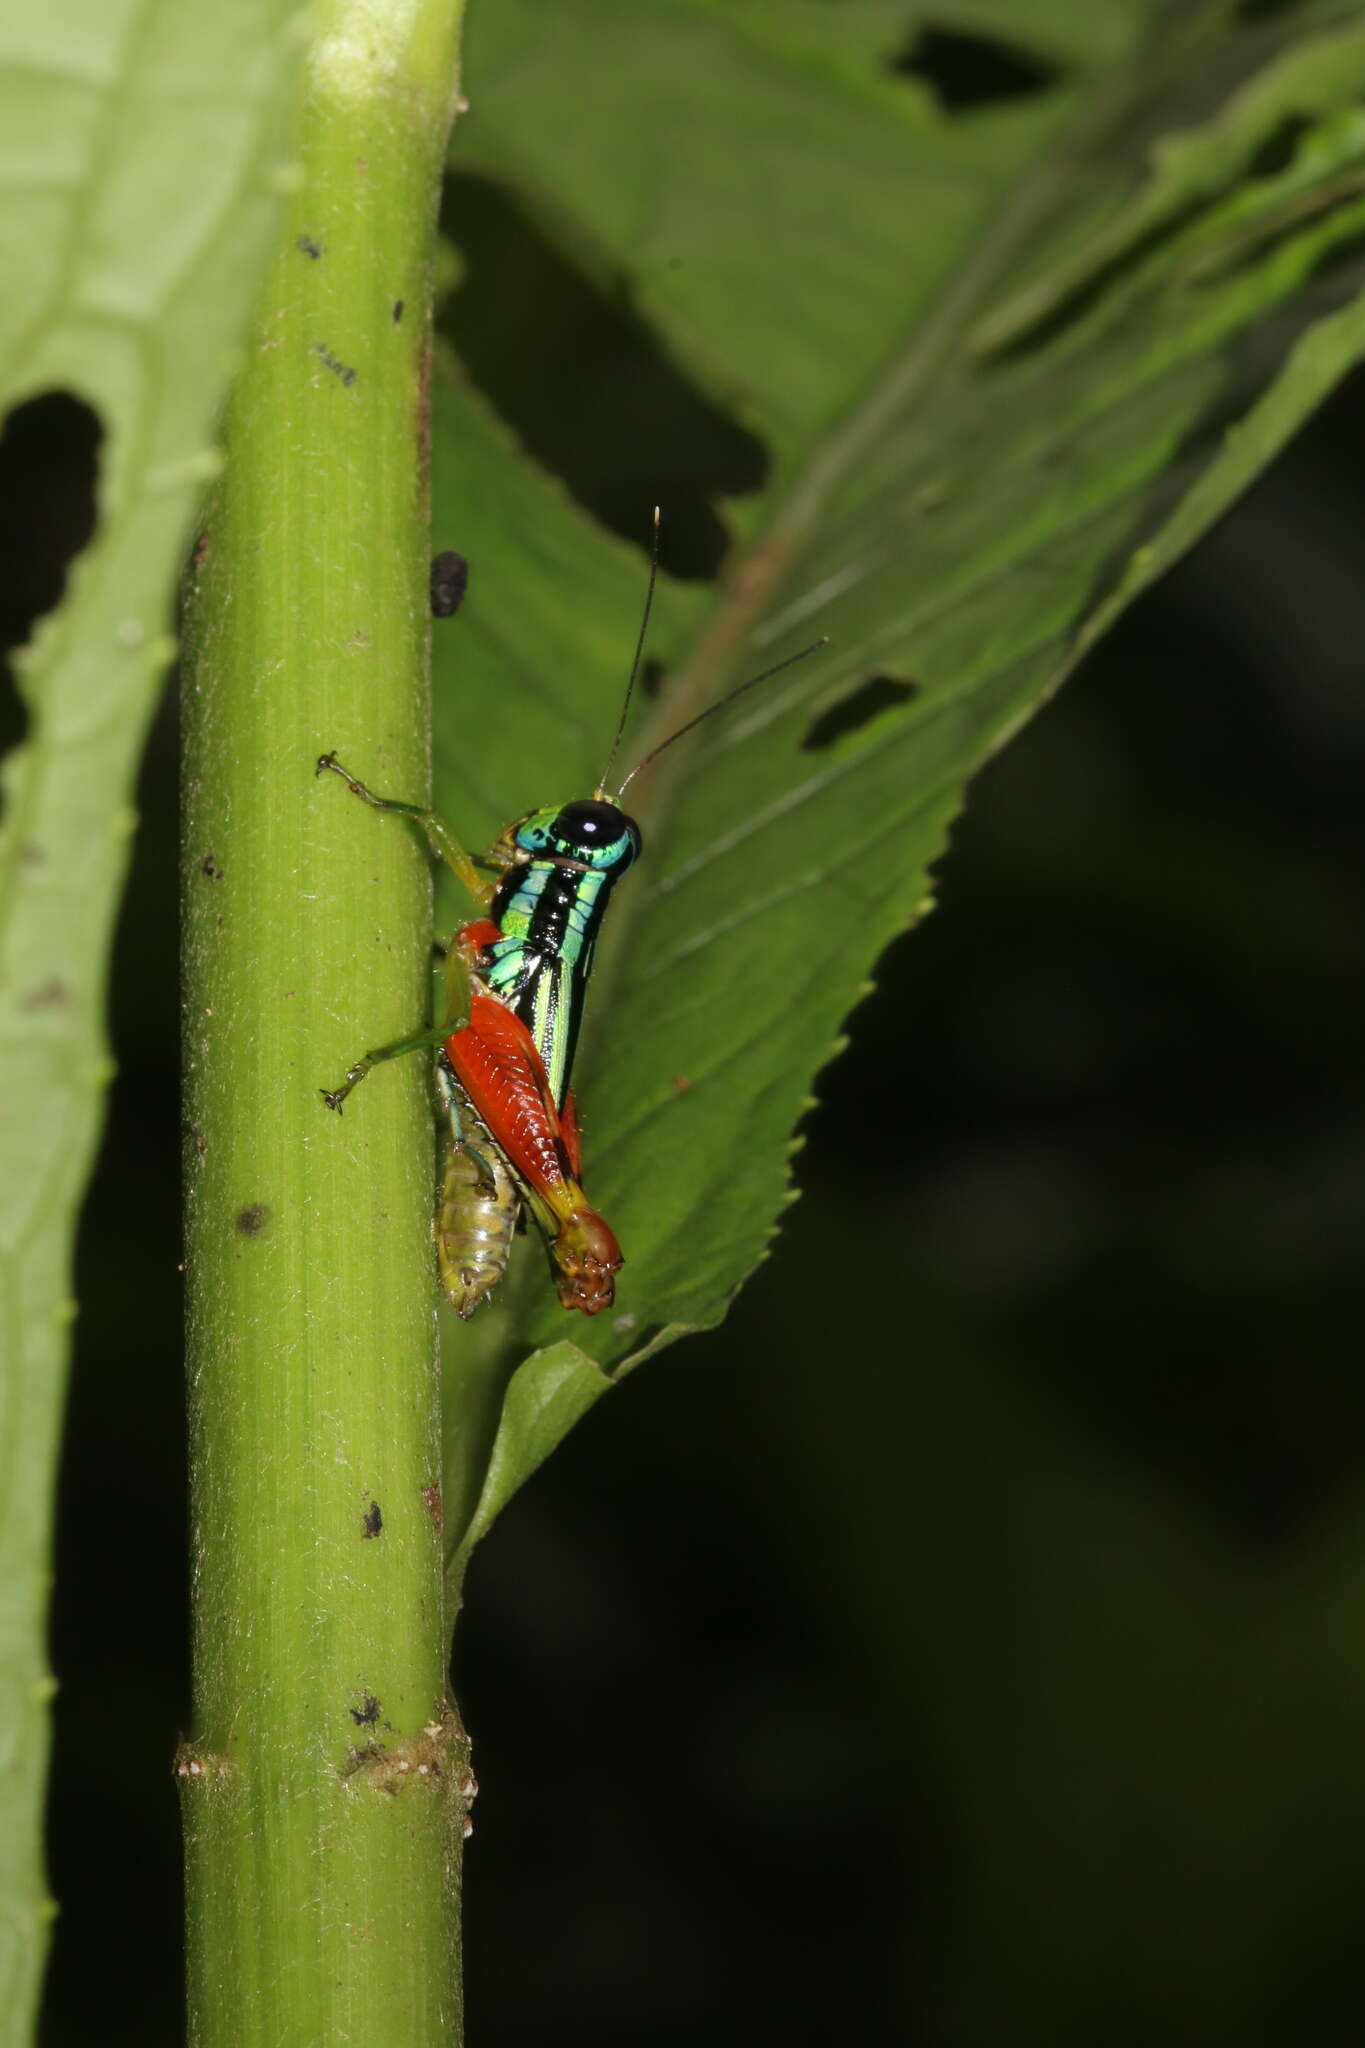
(457, 1016)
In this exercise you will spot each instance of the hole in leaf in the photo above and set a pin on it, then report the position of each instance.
(1338, 267)
(48, 465)
(49, 450)
(580, 378)
(970, 71)
(1279, 149)
(1338, 256)
(856, 710)
(1109, 276)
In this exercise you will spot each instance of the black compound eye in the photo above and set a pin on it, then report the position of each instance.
(590, 823)
(597, 834)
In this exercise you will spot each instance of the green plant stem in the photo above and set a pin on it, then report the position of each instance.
(323, 1786)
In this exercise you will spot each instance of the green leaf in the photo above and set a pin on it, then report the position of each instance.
(140, 150)
(545, 1396)
(1007, 366)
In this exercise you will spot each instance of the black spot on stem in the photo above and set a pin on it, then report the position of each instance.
(449, 581)
(50, 995)
(338, 369)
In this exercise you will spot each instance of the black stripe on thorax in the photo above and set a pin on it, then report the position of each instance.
(559, 892)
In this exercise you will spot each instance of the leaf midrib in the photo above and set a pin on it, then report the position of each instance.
(758, 572)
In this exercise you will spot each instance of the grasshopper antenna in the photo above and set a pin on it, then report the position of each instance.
(639, 650)
(719, 705)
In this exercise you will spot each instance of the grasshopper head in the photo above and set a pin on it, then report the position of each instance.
(591, 832)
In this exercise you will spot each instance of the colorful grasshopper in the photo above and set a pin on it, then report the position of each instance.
(516, 979)
(515, 983)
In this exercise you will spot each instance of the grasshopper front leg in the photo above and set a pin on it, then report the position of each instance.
(439, 837)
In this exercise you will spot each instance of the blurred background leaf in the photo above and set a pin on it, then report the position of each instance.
(139, 149)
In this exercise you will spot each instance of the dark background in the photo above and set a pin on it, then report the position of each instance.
(967, 1644)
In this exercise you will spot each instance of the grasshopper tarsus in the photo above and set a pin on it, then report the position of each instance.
(334, 1097)
(339, 768)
